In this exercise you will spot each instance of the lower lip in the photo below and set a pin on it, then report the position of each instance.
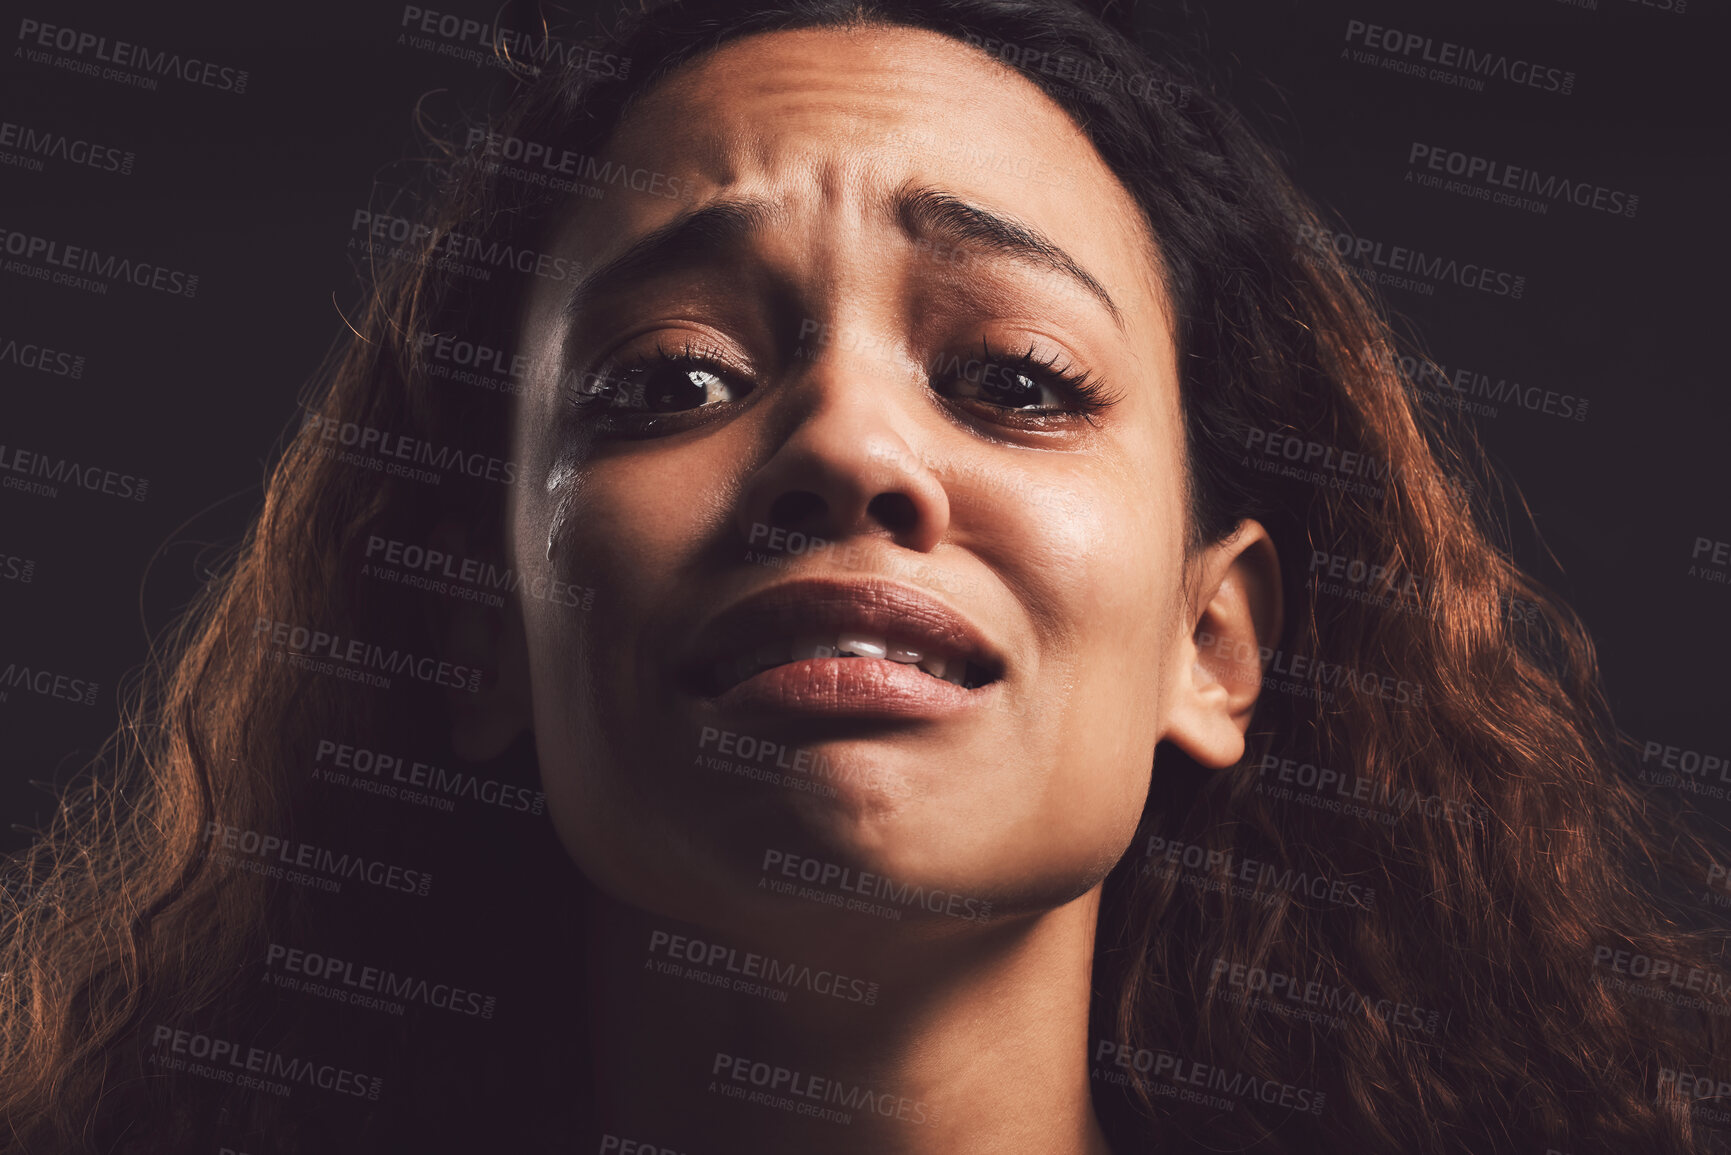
(851, 688)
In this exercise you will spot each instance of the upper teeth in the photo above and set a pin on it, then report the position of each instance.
(849, 644)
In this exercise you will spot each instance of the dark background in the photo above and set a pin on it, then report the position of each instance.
(254, 193)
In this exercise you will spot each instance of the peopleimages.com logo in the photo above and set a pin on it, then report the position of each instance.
(82, 267)
(1515, 185)
(254, 1067)
(35, 145)
(1405, 267)
(833, 884)
(87, 53)
(53, 472)
(1426, 57)
(357, 659)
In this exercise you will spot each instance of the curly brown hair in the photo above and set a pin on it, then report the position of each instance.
(1395, 925)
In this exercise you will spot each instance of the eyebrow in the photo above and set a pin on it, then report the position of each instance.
(922, 212)
(709, 230)
(927, 211)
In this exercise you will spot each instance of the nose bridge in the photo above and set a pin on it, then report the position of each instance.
(852, 409)
(845, 463)
(847, 416)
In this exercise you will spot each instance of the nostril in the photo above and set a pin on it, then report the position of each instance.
(896, 512)
(797, 508)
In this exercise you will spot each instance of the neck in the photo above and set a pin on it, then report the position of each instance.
(903, 1043)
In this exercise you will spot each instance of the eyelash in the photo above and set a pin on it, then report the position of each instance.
(1087, 393)
(597, 391)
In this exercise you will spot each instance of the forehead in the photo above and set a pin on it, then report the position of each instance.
(831, 122)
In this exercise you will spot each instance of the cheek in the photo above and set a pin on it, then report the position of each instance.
(627, 530)
(631, 528)
(1096, 562)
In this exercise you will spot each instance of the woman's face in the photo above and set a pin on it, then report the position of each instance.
(833, 351)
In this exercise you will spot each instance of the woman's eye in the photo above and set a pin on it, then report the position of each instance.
(1007, 387)
(1027, 384)
(667, 387)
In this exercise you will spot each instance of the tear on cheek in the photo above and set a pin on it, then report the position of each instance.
(563, 488)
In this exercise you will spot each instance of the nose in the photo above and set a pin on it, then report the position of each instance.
(844, 467)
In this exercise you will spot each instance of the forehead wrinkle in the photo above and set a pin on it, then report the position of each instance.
(711, 109)
(859, 90)
(924, 210)
(736, 143)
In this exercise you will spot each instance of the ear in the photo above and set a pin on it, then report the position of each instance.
(1235, 617)
(483, 636)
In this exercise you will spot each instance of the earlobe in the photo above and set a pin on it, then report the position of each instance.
(491, 640)
(1237, 619)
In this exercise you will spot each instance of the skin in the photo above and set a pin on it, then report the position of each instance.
(1061, 537)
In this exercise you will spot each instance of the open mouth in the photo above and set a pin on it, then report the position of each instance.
(842, 646)
(949, 667)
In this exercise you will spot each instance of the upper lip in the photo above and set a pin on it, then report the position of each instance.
(815, 606)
